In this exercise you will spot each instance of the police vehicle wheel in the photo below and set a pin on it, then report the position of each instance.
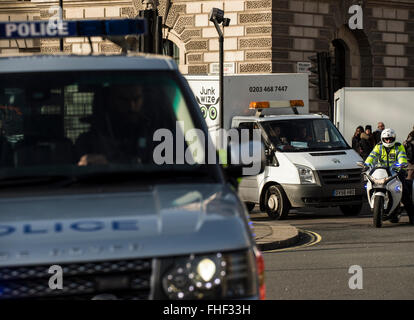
(276, 203)
(378, 211)
(351, 210)
(250, 206)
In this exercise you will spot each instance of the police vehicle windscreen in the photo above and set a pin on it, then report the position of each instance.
(67, 123)
(304, 135)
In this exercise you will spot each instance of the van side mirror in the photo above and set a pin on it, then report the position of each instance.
(271, 159)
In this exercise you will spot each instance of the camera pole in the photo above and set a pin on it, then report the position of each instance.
(217, 16)
(221, 70)
(61, 18)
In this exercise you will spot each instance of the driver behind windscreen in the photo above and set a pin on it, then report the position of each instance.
(302, 135)
(121, 130)
(279, 141)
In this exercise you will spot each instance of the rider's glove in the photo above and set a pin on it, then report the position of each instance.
(366, 167)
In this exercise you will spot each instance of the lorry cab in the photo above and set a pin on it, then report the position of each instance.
(309, 164)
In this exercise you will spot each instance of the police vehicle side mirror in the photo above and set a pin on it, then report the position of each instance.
(245, 159)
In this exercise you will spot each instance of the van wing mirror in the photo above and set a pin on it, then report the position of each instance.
(271, 159)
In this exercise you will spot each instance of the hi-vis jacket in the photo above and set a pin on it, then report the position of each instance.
(387, 156)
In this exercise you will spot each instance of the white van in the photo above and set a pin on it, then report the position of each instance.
(309, 164)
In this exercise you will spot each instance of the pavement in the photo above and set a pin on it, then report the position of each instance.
(272, 236)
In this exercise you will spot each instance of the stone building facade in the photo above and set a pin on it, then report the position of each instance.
(264, 36)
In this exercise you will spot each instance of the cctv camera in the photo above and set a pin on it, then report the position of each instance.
(216, 14)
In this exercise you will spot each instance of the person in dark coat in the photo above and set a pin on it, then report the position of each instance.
(377, 133)
(356, 139)
(366, 144)
(368, 131)
(409, 148)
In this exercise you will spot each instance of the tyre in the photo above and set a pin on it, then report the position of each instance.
(250, 206)
(351, 210)
(276, 203)
(378, 211)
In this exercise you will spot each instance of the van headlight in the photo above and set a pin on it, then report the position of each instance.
(212, 276)
(305, 174)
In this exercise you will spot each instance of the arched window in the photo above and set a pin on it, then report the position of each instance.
(171, 49)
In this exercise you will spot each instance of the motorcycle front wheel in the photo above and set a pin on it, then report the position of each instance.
(378, 211)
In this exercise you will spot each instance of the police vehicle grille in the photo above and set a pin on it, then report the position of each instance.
(340, 176)
(124, 279)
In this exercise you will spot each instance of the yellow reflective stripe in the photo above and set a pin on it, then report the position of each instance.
(402, 160)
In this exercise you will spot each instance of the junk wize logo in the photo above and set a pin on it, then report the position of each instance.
(207, 100)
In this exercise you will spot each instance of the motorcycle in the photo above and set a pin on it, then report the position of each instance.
(384, 192)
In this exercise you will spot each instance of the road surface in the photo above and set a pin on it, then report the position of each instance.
(384, 257)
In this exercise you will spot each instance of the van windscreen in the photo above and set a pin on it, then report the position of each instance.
(304, 135)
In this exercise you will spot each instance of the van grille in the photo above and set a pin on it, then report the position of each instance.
(340, 176)
(125, 279)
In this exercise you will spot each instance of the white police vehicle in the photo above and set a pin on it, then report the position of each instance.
(79, 189)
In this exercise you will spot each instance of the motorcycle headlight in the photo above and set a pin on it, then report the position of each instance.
(379, 182)
(212, 276)
(306, 175)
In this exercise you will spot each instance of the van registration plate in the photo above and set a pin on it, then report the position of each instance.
(344, 192)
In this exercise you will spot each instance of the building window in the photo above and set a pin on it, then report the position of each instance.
(171, 49)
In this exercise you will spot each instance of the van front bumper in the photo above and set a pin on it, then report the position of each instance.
(322, 196)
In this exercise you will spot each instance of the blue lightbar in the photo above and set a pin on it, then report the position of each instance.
(83, 28)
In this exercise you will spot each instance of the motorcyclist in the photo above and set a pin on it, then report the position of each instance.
(388, 152)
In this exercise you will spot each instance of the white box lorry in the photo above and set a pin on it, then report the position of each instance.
(363, 106)
(309, 163)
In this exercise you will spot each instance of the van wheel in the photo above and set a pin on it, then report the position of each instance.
(351, 210)
(276, 203)
(250, 206)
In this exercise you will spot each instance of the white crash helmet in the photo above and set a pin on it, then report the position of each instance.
(388, 134)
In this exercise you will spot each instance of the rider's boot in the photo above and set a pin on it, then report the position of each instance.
(395, 218)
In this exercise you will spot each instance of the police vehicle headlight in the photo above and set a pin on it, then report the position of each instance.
(305, 174)
(213, 276)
